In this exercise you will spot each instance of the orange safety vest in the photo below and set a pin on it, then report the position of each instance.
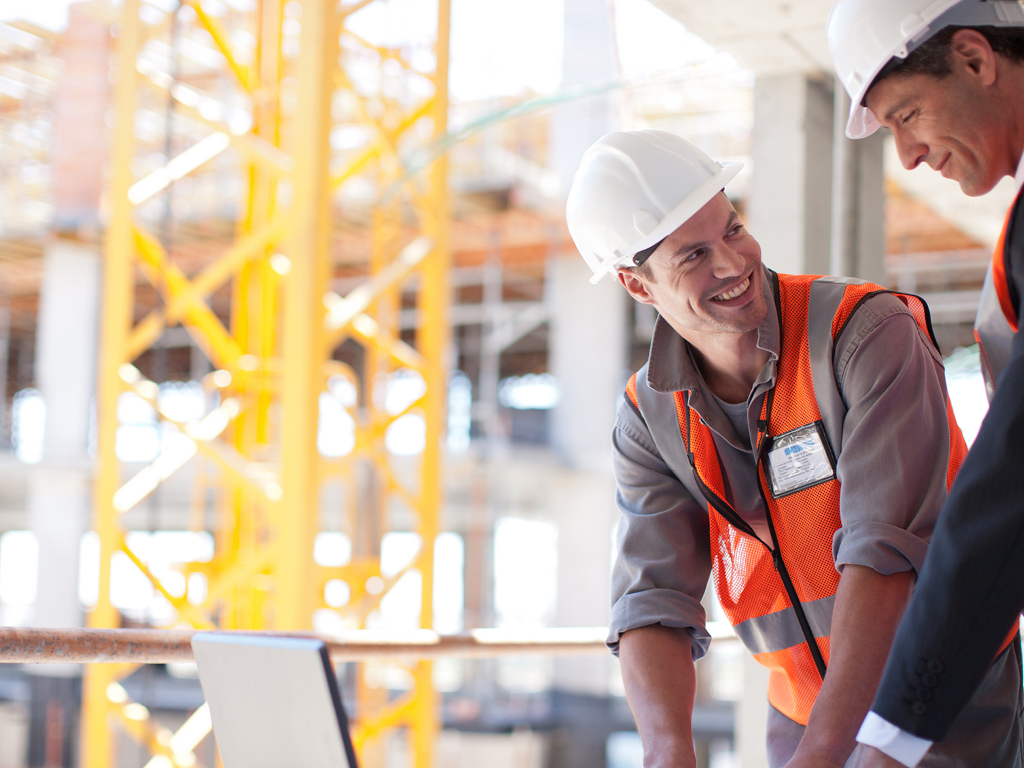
(997, 319)
(779, 599)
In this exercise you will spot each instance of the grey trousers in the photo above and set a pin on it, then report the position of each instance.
(986, 734)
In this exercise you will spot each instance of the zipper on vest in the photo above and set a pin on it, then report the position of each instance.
(787, 582)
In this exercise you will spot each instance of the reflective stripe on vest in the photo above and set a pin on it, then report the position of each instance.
(996, 323)
(773, 618)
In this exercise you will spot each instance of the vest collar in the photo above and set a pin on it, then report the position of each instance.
(670, 367)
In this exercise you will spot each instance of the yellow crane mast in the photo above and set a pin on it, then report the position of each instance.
(269, 111)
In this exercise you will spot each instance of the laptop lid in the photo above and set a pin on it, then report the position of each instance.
(274, 701)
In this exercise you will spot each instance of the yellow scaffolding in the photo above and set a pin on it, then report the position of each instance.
(275, 354)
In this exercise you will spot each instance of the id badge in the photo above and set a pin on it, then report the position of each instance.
(798, 460)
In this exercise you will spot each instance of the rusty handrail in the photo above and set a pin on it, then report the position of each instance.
(159, 646)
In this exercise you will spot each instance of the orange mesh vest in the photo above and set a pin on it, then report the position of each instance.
(780, 600)
(997, 319)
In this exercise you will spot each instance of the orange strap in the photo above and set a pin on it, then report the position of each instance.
(999, 275)
(631, 390)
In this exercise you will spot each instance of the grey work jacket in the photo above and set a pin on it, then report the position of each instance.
(883, 402)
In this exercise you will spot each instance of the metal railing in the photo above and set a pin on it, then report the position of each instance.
(159, 646)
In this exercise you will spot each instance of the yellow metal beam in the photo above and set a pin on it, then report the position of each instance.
(220, 39)
(97, 749)
(277, 347)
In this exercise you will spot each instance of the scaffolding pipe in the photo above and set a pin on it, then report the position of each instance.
(157, 646)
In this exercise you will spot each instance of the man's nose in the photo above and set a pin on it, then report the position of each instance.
(911, 151)
(728, 262)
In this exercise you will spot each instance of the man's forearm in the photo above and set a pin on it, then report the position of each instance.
(658, 673)
(867, 611)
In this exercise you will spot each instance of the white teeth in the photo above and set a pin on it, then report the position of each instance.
(737, 291)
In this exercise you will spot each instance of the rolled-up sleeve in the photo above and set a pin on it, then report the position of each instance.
(895, 451)
(663, 557)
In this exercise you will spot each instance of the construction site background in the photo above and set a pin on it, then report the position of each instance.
(534, 360)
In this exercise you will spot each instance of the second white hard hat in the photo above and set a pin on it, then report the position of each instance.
(632, 190)
(865, 35)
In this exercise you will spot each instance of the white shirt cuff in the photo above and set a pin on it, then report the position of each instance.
(904, 747)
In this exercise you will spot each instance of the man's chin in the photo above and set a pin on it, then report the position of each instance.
(747, 321)
(972, 186)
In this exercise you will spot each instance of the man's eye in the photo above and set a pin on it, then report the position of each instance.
(696, 254)
(906, 118)
(736, 230)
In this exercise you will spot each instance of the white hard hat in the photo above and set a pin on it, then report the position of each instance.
(865, 35)
(632, 190)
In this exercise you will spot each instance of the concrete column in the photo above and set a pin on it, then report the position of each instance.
(858, 208)
(752, 715)
(588, 355)
(585, 506)
(790, 208)
(588, 58)
(66, 352)
(66, 372)
(869, 230)
(68, 318)
(589, 338)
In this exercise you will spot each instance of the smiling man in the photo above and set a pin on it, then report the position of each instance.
(947, 79)
(789, 435)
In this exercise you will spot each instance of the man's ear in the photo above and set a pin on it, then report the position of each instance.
(636, 287)
(972, 49)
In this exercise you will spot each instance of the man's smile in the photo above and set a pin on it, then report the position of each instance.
(733, 293)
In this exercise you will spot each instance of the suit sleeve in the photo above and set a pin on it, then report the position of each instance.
(971, 587)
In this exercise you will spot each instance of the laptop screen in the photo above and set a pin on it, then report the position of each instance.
(274, 701)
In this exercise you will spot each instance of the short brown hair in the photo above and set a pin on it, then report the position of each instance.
(935, 56)
(644, 270)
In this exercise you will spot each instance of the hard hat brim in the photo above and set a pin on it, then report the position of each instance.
(675, 218)
(862, 122)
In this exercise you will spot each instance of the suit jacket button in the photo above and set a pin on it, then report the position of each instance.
(935, 666)
(929, 679)
(919, 708)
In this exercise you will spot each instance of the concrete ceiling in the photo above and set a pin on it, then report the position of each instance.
(766, 36)
(785, 36)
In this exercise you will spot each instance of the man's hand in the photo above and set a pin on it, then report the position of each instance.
(869, 757)
(867, 610)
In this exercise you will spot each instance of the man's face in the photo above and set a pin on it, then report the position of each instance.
(707, 275)
(953, 124)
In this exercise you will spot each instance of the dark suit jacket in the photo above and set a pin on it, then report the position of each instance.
(971, 589)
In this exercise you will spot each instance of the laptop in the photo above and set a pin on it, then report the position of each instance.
(274, 701)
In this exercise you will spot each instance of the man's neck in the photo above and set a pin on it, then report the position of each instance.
(1012, 88)
(728, 362)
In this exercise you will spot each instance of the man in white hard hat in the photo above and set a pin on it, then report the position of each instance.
(947, 79)
(789, 435)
